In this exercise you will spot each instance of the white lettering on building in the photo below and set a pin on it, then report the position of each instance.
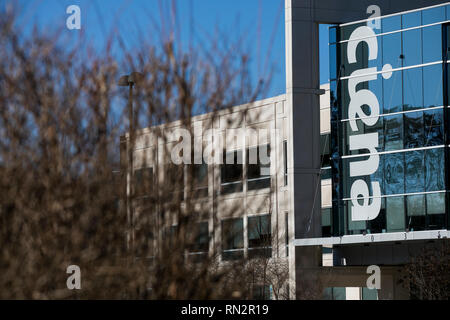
(363, 141)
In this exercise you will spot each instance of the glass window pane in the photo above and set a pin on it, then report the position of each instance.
(432, 86)
(258, 167)
(326, 217)
(232, 167)
(392, 93)
(339, 293)
(394, 173)
(259, 233)
(434, 127)
(333, 63)
(433, 15)
(434, 169)
(412, 89)
(432, 44)
(332, 34)
(233, 234)
(369, 294)
(412, 19)
(392, 49)
(393, 132)
(201, 240)
(414, 173)
(354, 227)
(412, 47)
(436, 203)
(391, 23)
(416, 205)
(395, 214)
(414, 133)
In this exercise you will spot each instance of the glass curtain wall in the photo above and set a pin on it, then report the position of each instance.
(403, 64)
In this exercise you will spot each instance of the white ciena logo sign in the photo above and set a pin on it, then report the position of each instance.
(365, 141)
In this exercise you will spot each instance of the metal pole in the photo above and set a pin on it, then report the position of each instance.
(130, 164)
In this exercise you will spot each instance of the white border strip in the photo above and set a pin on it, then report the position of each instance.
(375, 237)
(394, 69)
(395, 31)
(394, 113)
(394, 14)
(396, 195)
(391, 151)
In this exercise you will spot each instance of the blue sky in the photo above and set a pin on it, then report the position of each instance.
(260, 21)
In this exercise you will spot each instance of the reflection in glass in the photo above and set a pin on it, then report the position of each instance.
(432, 86)
(436, 211)
(414, 177)
(436, 203)
(395, 214)
(432, 44)
(416, 205)
(414, 135)
(393, 132)
(434, 127)
(394, 173)
(412, 89)
(434, 169)
(392, 93)
(412, 47)
(354, 227)
(378, 176)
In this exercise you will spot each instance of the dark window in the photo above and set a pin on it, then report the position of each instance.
(259, 236)
(232, 172)
(258, 167)
(200, 183)
(200, 243)
(143, 181)
(285, 162)
(326, 222)
(170, 236)
(232, 239)
(325, 150)
(174, 180)
(261, 292)
(286, 231)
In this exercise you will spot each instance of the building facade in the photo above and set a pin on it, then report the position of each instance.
(357, 172)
